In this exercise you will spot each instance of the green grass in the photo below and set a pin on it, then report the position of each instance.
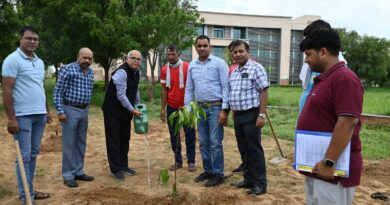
(5, 191)
(375, 139)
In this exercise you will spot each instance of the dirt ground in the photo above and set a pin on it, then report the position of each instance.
(285, 186)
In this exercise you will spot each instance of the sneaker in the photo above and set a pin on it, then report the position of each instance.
(175, 166)
(215, 181)
(191, 167)
(203, 177)
(239, 169)
(129, 171)
(119, 176)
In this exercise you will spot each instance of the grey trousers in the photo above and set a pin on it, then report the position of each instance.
(320, 192)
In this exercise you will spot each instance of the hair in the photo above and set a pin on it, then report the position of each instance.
(28, 28)
(323, 38)
(173, 48)
(316, 25)
(236, 43)
(202, 37)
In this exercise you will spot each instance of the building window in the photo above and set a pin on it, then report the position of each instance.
(218, 31)
(200, 30)
(239, 33)
(186, 54)
(218, 51)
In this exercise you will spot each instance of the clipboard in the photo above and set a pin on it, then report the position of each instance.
(310, 148)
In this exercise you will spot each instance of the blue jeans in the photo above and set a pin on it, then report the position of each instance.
(175, 141)
(210, 142)
(31, 128)
(74, 140)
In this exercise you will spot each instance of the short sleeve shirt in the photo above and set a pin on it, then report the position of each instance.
(175, 93)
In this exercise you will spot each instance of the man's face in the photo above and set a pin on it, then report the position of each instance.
(240, 54)
(172, 56)
(134, 60)
(313, 59)
(29, 41)
(203, 48)
(85, 59)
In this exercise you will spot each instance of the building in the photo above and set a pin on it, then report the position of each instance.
(273, 41)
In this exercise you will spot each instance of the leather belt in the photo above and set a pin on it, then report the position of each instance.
(71, 104)
(210, 104)
(240, 112)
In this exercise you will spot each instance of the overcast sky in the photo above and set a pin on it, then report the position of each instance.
(371, 17)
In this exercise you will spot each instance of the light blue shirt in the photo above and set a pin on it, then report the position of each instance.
(207, 82)
(28, 92)
(120, 82)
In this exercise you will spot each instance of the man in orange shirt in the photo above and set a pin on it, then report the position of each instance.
(173, 81)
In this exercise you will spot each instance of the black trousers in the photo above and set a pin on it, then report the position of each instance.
(249, 145)
(117, 142)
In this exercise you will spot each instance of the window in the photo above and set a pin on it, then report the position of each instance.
(218, 31)
(218, 51)
(200, 30)
(239, 33)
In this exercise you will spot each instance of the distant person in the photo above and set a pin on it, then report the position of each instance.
(71, 96)
(207, 83)
(248, 99)
(173, 80)
(334, 106)
(118, 110)
(307, 75)
(25, 104)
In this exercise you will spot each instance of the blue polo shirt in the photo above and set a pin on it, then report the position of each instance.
(28, 92)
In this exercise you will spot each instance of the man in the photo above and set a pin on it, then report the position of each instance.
(25, 104)
(333, 106)
(248, 100)
(173, 80)
(118, 110)
(72, 95)
(306, 75)
(207, 82)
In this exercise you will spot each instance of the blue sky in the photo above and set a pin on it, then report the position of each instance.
(370, 17)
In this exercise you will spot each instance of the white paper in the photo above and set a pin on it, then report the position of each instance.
(310, 148)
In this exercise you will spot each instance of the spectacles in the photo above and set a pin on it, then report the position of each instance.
(31, 39)
(200, 46)
(134, 59)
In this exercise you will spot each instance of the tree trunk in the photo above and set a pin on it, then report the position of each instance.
(106, 70)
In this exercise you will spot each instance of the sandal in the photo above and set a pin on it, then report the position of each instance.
(41, 195)
(379, 195)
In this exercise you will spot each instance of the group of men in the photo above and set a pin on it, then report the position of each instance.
(333, 105)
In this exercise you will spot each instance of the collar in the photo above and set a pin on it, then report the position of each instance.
(208, 59)
(245, 67)
(325, 75)
(25, 56)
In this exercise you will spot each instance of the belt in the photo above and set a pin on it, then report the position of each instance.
(241, 112)
(80, 106)
(210, 104)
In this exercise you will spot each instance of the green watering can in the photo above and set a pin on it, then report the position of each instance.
(141, 123)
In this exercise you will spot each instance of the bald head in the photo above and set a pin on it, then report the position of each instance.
(85, 58)
(134, 59)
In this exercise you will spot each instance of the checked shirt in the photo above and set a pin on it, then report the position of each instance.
(245, 86)
(73, 86)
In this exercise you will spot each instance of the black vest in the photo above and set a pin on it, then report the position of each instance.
(111, 105)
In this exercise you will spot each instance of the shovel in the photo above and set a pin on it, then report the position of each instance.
(23, 173)
(275, 160)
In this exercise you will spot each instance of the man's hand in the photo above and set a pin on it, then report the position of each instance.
(260, 122)
(222, 117)
(162, 115)
(137, 113)
(323, 171)
(62, 118)
(12, 126)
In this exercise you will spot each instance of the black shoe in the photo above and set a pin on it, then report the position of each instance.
(256, 190)
(119, 176)
(243, 184)
(239, 169)
(215, 181)
(71, 183)
(203, 177)
(129, 171)
(84, 177)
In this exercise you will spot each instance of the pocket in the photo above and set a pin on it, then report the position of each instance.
(212, 74)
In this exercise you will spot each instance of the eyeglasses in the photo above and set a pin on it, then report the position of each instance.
(31, 39)
(134, 59)
(200, 46)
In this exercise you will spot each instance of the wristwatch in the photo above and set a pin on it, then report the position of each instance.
(262, 115)
(328, 162)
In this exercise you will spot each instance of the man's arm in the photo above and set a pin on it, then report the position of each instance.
(260, 122)
(58, 94)
(120, 82)
(189, 91)
(8, 101)
(164, 97)
(342, 135)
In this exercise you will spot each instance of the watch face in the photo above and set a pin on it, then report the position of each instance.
(328, 163)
